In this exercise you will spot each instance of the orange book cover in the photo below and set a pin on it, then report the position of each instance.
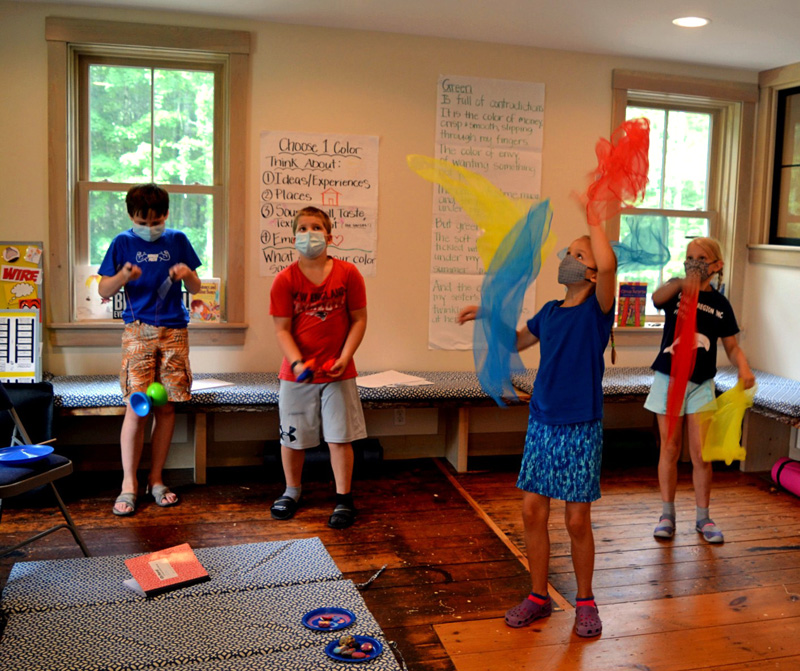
(165, 570)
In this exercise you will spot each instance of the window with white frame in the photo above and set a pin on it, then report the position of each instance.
(677, 204)
(700, 160)
(134, 103)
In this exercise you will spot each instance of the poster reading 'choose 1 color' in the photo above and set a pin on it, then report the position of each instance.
(336, 173)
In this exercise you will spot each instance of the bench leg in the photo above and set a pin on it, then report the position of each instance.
(200, 448)
(457, 439)
(765, 440)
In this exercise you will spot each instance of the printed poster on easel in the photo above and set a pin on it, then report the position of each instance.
(493, 128)
(336, 173)
(21, 296)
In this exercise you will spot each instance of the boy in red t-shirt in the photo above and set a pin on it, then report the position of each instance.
(319, 307)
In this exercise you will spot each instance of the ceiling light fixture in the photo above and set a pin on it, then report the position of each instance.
(691, 22)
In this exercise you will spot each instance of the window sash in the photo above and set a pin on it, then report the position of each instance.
(786, 172)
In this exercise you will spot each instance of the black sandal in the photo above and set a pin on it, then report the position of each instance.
(343, 516)
(284, 508)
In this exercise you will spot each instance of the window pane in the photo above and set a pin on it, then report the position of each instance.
(657, 118)
(680, 231)
(194, 215)
(686, 173)
(184, 127)
(108, 216)
(119, 124)
(791, 131)
(789, 204)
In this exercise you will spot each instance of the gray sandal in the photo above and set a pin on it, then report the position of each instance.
(159, 492)
(665, 527)
(129, 499)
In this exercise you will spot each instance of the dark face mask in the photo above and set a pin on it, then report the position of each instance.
(697, 267)
(572, 271)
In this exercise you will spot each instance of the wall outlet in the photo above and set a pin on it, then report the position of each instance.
(399, 416)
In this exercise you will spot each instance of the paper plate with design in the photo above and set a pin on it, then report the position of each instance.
(362, 649)
(329, 619)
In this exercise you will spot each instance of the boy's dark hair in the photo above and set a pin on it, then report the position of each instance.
(312, 211)
(143, 198)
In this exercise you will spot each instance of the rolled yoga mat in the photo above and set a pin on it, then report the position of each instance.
(786, 473)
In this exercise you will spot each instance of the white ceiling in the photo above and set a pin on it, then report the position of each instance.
(749, 34)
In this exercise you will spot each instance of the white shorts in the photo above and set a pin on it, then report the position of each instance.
(696, 396)
(309, 411)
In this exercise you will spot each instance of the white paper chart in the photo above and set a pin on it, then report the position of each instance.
(19, 346)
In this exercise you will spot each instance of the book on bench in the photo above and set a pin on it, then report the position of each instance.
(165, 570)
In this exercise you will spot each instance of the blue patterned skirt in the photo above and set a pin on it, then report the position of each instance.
(562, 461)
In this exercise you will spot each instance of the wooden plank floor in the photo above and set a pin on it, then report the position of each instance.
(666, 605)
(443, 563)
(450, 577)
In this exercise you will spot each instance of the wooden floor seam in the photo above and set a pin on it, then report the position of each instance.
(558, 599)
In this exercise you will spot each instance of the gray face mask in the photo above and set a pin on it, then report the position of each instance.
(697, 267)
(571, 271)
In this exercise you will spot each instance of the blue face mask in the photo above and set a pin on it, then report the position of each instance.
(149, 233)
(310, 244)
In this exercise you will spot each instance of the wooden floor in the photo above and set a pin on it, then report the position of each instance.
(450, 543)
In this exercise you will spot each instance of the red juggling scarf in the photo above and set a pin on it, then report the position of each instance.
(621, 175)
(684, 353)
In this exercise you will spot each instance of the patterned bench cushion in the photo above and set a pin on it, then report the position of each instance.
(205, 632)
(261, 389)
(776, 397)
(40, 585)
(617, 381)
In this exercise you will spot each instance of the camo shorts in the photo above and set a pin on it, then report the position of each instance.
(155, 354)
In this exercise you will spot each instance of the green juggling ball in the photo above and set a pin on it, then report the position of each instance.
(157, 393)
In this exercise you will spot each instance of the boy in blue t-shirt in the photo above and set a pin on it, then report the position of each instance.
(150, 261)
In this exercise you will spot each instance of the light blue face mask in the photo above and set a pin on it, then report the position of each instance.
(310, 244)
(149, 233)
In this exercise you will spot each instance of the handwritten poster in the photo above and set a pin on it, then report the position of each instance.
(493, 128)
(20, 346)
(336, 173)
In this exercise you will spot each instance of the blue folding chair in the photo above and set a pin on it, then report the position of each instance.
(17, 479)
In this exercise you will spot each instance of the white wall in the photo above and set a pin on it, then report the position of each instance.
(771, 320)
(321, 80)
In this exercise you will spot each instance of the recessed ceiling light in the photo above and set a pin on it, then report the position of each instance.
(691, 22)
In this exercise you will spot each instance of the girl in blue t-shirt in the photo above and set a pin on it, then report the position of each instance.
(564, 442)
(715, 319)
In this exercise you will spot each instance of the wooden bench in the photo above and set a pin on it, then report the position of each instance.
(455, 394)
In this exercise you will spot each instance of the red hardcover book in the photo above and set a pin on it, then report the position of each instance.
(165, 570)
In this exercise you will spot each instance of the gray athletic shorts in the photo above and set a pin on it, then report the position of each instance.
(331, 410)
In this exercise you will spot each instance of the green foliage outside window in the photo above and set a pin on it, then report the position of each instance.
(678, 180)
(151, 125)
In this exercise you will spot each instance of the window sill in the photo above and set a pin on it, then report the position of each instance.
(774, 255)
(107, 334)
(638, 336)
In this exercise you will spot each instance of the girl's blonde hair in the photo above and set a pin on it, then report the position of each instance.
(712, 248)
